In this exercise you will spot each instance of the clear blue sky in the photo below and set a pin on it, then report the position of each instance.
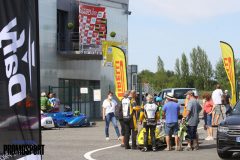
(167, 28)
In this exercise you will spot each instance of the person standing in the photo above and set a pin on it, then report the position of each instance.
(134, 125)
(208, 109)
(192, 118)
(171, 111)
(159, 104)
(127, 112)
(129, 118)
(227, 102)
(217, 104)
(125, 103)
(108, 110)
(204, 113)
(54, 102)
(44, 102)
(149, 116)
(228, 97)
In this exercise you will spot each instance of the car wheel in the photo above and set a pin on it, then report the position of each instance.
(225, 155)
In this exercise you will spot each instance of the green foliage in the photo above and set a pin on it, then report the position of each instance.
(177, 67)
(70, 25)
(113, 34)
(160, 65)
(201, 67)
(221, 75)
(184, 70)
(198, 73)
(146, 76)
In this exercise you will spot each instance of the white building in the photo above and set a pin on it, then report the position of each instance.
(64, 70)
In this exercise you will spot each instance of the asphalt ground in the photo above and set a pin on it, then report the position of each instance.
(75, 143)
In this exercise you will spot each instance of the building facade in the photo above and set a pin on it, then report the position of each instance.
(65, 69)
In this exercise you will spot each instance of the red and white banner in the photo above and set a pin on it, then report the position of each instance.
(92, 24)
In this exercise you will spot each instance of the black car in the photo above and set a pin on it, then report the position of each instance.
(228, 134)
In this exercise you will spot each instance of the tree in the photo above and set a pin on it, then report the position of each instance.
(160, 65)
(177, 67)
(184, 66)
(201, 68)
(146, 76)
(194, 62)
(221, 75)
(184, 69)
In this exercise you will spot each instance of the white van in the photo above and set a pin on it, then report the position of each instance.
(178, 93)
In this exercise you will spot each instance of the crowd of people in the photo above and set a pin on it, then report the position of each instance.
(49, 103)
(215, 105)
(154, 109)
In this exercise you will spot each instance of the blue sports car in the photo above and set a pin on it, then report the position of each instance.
(69, 119)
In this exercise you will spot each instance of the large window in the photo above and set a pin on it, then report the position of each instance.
(70, 95)
(69, 90)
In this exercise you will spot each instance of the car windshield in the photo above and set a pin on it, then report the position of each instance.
(236, 109)
(164, 93)
(180, 93)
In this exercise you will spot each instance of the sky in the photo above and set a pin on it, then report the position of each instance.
(168, 28)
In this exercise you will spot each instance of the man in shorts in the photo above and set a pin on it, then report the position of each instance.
(217, 104)
(171, 111)
(192, 118)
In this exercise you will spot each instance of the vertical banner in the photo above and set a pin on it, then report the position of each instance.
(229, 65)
(120, 71)
(92, 28)
(107, 52)
(19, 75)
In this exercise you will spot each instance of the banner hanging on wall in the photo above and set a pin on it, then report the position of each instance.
(92, 28)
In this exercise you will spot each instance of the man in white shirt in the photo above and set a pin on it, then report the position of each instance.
(108, 111)
(217, 101)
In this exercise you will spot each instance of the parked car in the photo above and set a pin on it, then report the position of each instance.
(69, 119)
(46, 122)
(228, 134)
(178, 93)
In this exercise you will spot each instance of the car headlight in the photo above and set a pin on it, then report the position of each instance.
(223, 129)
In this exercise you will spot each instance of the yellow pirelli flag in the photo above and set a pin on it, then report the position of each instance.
(107, 52)
(120, 71)
(229, 65)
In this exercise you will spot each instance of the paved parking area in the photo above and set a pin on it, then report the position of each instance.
(74, 143)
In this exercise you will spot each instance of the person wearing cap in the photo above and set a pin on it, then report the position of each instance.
(158, 102)
(44, 102)
(228, 97)
(171, 111)
(217, 107)
(186, 102)
(227, 102)
(192, 118)
(149, 116)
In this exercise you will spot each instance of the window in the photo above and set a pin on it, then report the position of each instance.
(165, 93)
(69, 90)
(180, 93)
(236, 109)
